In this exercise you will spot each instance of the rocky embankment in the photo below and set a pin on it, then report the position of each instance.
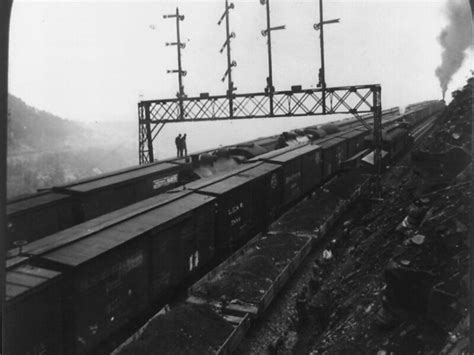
(393, 276)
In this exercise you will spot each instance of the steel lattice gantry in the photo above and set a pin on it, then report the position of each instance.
(356, 100)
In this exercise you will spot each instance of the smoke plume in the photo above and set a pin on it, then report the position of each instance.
(455, 38)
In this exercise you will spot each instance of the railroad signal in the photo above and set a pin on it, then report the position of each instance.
(176, 15)
(267, 32)
(214, 108)
(227, 42)
(233, 64)
(182, 45)
(181, 73)
(230, 63)
(322, 71)
(174, 71)
(317, 26)
(228, 7)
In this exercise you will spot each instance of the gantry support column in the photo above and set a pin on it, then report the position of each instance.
(377, 106)
(148, 134)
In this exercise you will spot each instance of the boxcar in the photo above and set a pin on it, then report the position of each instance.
(301, 170)
(110, 192)
(312, 160)
(235, 212)
(355, 140)
(33, 311)
(38, 215)
(182, 242)
(107, 286)
(334, 152)
(118, 263)
(267, 192)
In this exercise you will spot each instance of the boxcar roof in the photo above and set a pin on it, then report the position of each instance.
(85, 249)
(203, 182)
(119, 177)
(262, 141)
(24, 278)
(100, 223)
(268, 143)
(260, 170)
(225, 185)
(275, 153)
(295, 153)
(329, 142)
(35, 201)
(251, 148)
(117, 172)
(353, 133)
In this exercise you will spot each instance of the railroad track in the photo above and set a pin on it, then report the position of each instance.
(419, 132)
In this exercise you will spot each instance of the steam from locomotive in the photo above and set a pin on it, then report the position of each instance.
(455, 38)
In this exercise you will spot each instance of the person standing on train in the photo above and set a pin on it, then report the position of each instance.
(177, 141)
(184, 148)
(281, 142)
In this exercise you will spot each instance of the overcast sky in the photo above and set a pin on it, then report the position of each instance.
(92, 60)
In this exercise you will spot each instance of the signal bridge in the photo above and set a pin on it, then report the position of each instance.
(355, 99)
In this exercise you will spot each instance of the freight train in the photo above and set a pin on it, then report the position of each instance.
(69, 292)
(38, 215)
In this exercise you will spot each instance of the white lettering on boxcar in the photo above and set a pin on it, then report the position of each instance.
(317, 158)
(235, 208)
(292, 177)
(274, 181)
(339, 155)
(165, 181)
(114, 273)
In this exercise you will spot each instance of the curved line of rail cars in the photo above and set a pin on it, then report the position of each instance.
(69, 292)
(35, 216)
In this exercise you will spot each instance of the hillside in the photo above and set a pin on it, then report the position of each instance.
(46, 150)
(32, 129)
